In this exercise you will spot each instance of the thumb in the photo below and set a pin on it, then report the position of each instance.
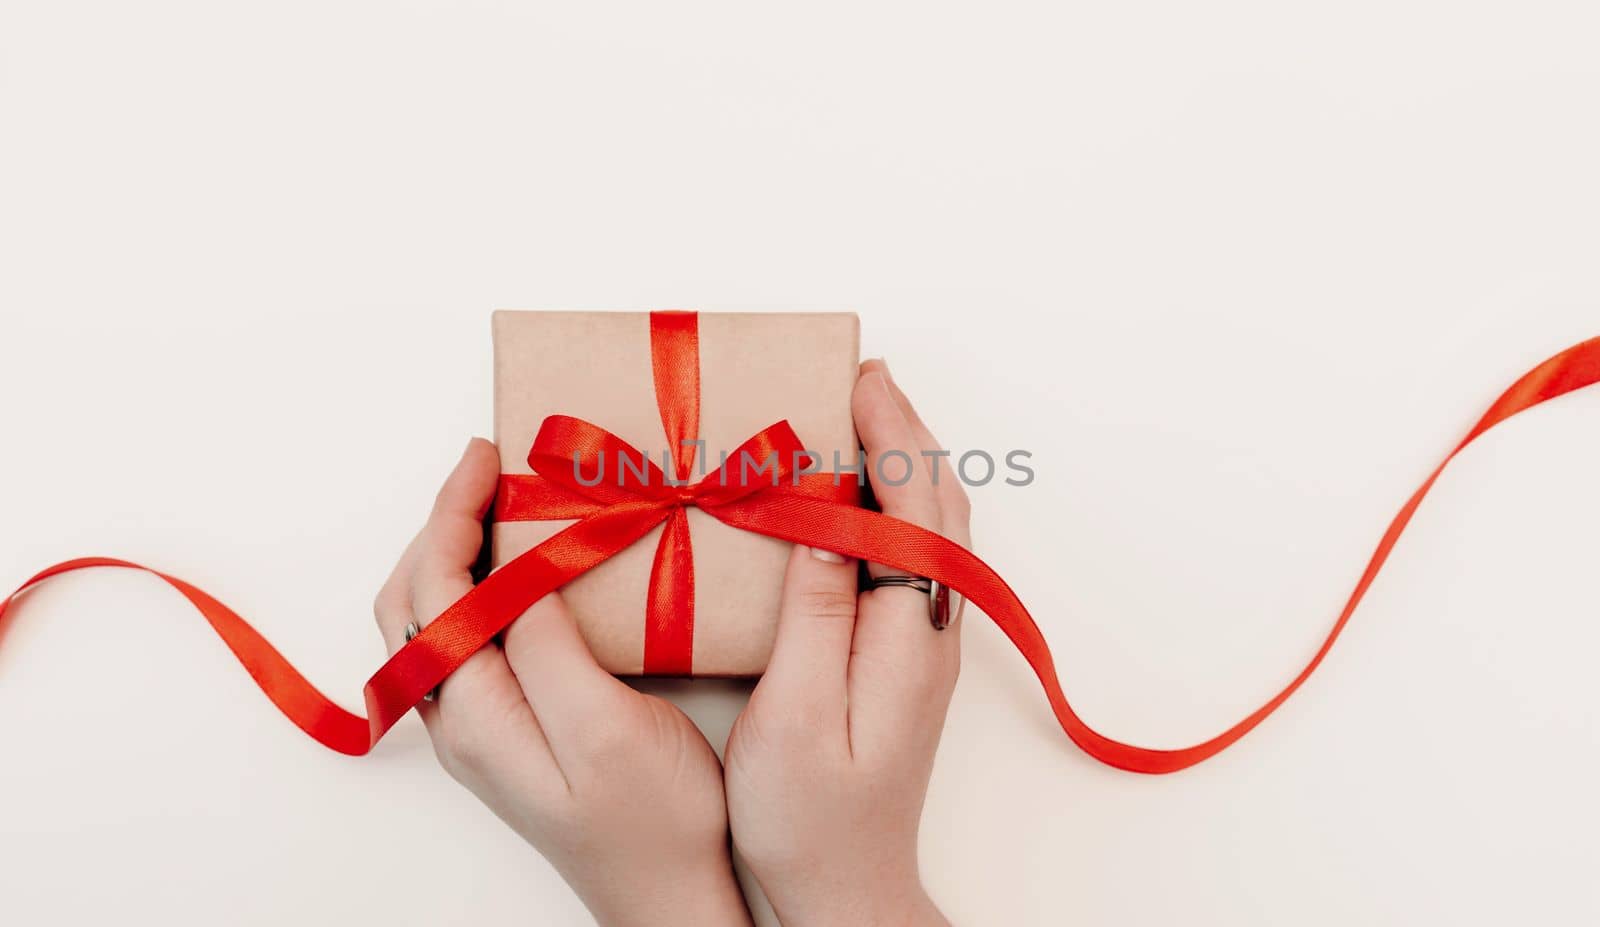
(816, 621)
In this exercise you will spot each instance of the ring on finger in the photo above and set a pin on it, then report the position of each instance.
(412, 630)
(941, 611)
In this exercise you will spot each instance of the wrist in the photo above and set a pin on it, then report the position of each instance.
(700, 894)
(914, 912)
(882, 903)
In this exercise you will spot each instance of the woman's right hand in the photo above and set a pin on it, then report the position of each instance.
(828, 766)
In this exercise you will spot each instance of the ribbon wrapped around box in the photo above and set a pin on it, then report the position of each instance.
(797, 505)
(683, 391)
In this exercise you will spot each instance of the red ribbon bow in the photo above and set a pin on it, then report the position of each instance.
(796, 514)
(562, 491)
(771, 461)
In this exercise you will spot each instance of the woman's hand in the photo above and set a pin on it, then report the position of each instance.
(828, 766)
(617, 789)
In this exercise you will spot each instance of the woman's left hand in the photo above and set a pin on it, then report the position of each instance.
(618, 789)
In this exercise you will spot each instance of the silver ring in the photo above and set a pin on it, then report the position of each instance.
(944, 604)
(412, 630)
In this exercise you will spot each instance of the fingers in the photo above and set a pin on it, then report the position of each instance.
(580, 706)
(442, 569)
(899, 473)
(394, 612)
(955, 511)
(479, 705)
(902, 670)
(811, 653)
(954, 507)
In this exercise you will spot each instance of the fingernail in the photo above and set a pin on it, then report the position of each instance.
(828, 556)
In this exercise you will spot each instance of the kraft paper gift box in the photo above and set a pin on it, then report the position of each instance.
(755, 369)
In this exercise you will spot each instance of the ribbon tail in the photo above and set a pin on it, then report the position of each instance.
(423, 663)
(669, 605)
(300, 701)
(881, 539)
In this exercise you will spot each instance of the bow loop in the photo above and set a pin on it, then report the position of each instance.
(586, 460)
(769, 458)
(583, 458)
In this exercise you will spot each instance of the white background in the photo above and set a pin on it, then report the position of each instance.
(1237, 273)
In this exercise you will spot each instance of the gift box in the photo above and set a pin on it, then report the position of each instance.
(741, 372)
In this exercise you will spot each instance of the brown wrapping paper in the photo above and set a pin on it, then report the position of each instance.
(755, 369)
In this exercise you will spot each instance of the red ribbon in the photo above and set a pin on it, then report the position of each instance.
(556, 492)
(611, 517)
(560, 490)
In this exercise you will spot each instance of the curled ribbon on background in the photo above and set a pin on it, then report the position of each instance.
(612, 517)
